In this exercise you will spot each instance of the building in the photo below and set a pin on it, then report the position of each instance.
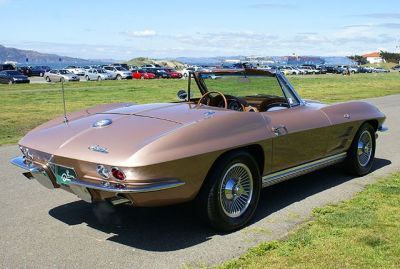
(374, 58)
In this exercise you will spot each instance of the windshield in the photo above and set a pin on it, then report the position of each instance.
(101, 71)
(64, 72)
(120, 68)
(241, 86)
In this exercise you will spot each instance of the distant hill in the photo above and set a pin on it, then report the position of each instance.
(34, 57)
(143, 60)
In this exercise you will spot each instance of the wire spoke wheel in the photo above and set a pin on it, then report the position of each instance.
(236, 190)
(364, 148)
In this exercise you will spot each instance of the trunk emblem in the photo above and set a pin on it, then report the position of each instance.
(102, 123)
(98, 148)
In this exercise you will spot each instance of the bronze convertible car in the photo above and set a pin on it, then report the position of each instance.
(232, 133)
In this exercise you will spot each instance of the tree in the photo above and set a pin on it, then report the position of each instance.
(390, 57)
(358, 59)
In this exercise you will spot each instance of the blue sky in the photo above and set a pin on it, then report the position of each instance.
(127, 29)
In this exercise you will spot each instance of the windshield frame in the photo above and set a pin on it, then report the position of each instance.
(281, 79)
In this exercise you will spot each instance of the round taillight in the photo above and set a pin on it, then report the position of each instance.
(118, 174)
(103, 171)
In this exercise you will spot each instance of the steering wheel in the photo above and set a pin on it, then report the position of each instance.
(219, 93)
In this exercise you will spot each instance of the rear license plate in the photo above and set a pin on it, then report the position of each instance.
(64, 175)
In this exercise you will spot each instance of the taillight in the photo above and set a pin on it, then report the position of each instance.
(117, 173)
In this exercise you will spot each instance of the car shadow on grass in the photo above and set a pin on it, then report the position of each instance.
(177, 227)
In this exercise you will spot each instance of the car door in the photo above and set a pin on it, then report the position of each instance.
(299, 135)
(299, 132)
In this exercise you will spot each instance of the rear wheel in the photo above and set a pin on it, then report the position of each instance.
(361, 154)
(119, 77)
(229, 196)
(87, 78)
(48, 79)
(98, 78)
(62, 80)
(10, 82)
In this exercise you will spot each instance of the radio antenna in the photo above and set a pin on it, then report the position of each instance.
(63, 97)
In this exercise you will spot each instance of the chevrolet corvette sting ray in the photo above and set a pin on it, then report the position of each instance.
(232, 133)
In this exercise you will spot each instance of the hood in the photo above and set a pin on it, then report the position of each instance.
(132, 128)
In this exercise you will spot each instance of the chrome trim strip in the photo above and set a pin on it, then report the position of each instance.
(296, 171)
(383, 128)
(172, 183)
(149, 188)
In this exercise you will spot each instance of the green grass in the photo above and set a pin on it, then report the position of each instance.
(25, 106)
(363, 232)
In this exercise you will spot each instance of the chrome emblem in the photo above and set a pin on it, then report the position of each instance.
(102, 123)
(208, 114)
(98, 148)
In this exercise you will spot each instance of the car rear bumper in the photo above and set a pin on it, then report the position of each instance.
(84, 189)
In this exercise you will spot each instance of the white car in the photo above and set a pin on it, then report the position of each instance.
(61, 75)
(76, 70)
(98, 74)
(118, 72)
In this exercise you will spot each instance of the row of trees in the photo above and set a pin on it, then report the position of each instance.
(390, 57)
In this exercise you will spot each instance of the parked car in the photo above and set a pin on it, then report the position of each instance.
(126, 66)
(248, 130)
(118, 72)
(322, 69)
(39, 70)
(309, 70)
(12, 77)
(173, 73)
(4, 67)
(141, 74)
(98, 74)
(26, 70)
(396, 67)
(60, 76)
(331, 69)
(76, 70)
(158, 72)
(364, 69)
(380, 70)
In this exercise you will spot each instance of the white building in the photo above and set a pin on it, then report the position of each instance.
(374, 58)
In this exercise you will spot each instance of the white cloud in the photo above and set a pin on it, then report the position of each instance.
(144, 33)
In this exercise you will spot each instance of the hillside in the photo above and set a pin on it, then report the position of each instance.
(142, 61)
(34, 57)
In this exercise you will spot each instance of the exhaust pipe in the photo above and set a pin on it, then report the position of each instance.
(119, 200)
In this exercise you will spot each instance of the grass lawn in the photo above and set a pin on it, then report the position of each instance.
(25, 106)
(363, 232)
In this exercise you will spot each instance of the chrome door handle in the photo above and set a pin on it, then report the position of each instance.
(279, 130)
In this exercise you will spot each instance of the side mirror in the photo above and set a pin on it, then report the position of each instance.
(182, 95)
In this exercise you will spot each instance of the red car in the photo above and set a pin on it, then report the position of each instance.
(141, 74)
(173, 73)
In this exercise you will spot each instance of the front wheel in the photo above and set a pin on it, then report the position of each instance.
(87, 78)
(229, 196)
(119, 77)
(361, 154)
(48, 79)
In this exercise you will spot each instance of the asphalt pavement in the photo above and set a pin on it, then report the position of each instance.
(41, 228)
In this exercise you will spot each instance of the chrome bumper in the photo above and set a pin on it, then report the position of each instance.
(40, 174)
(383, 128)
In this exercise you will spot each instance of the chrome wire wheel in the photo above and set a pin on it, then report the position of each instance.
(364, 148)
(236, 190)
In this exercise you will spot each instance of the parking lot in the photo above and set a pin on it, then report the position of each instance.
(47, 229)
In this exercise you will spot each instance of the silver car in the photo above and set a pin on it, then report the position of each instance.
(97, 74)
(118, 72)
(60, 75)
